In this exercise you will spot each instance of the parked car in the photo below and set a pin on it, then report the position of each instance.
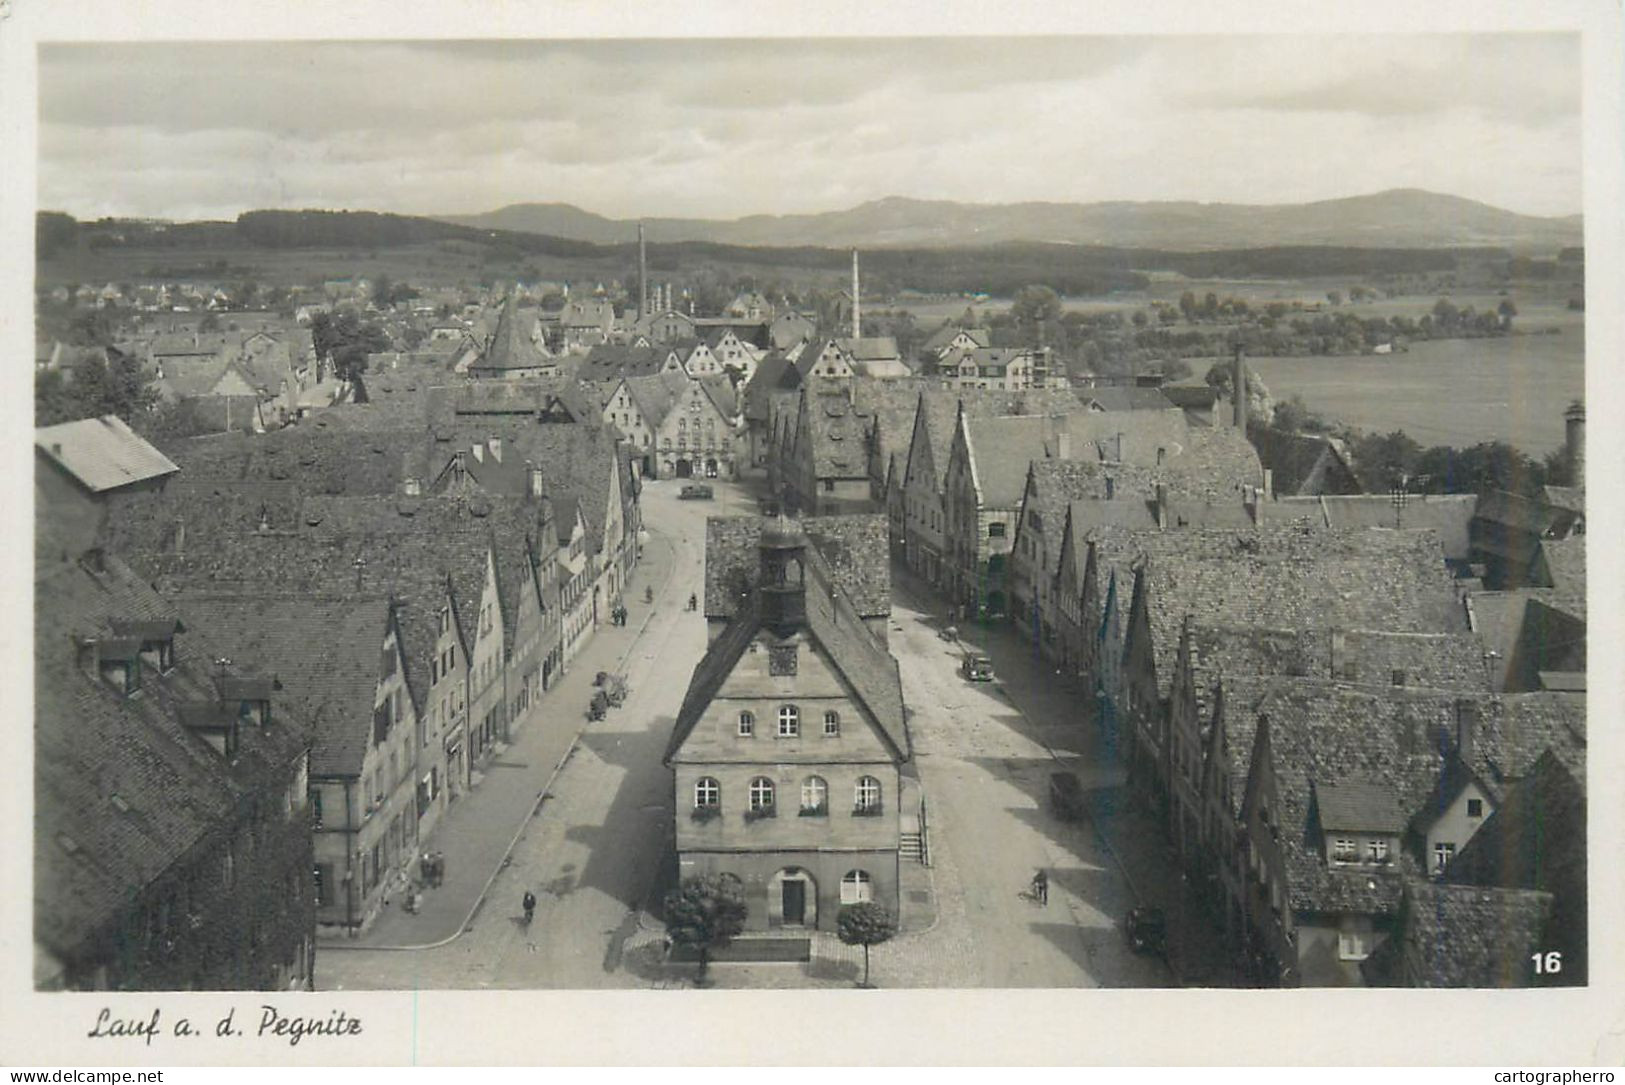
(1147, 930)
(977, 667)
(695, 492)
(769, 507)
(1066, 796)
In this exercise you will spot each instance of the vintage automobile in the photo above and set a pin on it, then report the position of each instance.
(976, 667)
(695, 491)
(1147, 930)
(1066, 796)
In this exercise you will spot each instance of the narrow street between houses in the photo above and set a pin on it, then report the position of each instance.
(596, 849)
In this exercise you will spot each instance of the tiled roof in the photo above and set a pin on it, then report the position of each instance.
(838, 432)
(482, 403)
(1357, 805)
(1322, 734)
(315, 458)
(1190, 397)
(721, 391)
(838, 628)
(939, 339)
(1125, 398)
(891, 404)
(774, 373)
(1461, 936)
(1293, 457)
(1289, 577)
(656, 395)
(102, 453)
(123, 790)
(870, 348)
(1000, 451)
(1447, 514)
(854, 549)
(1568, 498)
(325, 653)
(607, 361)
(1566, 560)
(1400, 741)
(1536, 839)
(1520, 513)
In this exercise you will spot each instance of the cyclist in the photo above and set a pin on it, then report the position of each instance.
(530, 906)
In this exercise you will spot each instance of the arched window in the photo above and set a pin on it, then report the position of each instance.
(789, 721)
(814, 796)
(857, 887)
(832, 723)
(707, 792)
(747, 723)
(867, 796)
(761, 794)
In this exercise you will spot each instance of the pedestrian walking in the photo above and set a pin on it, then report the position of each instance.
(530, 906)
(1041, 887)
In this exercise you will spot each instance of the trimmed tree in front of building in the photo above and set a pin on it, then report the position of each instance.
(865, 924)
(705, 913)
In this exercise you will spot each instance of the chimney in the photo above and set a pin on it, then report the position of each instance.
(643, 276)
(1269, 484)
(1162, 507)
(1467, 721)
(857, 332)
(1574, 434)
(1238, 384)
(1337, 653)
(537, 489)
(1119, 446)
(496, 449)
(479, 452)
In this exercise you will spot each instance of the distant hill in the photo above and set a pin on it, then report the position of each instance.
(1399, 218)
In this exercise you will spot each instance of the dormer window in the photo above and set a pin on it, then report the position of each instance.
(1345, 850)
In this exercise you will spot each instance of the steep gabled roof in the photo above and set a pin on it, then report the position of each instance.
(774, 373)
(833, 623)
(511, 347)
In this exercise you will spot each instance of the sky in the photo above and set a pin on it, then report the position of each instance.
(726, 128)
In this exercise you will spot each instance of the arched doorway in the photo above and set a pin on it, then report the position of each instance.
(711, 468)
(685, 469)
(792, 899)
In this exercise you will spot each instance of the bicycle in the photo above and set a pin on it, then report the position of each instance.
(530, 907)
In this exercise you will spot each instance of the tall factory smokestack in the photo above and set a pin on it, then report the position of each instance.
(856, 331)
(1238, 384)
(643, 276)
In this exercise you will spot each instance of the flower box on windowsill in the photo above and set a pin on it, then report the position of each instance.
(867, 811)
(760, 812)
(813, 812)
(705, 813)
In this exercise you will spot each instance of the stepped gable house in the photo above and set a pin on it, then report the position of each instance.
(788, 751)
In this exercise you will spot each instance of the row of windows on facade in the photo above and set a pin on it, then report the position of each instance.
(866, 797)
(789, 721)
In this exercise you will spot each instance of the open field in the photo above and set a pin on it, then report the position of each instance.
(1448, 391)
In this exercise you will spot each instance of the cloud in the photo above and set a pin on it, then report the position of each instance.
(727, 129)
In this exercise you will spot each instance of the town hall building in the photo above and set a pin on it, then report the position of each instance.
(789, 748)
